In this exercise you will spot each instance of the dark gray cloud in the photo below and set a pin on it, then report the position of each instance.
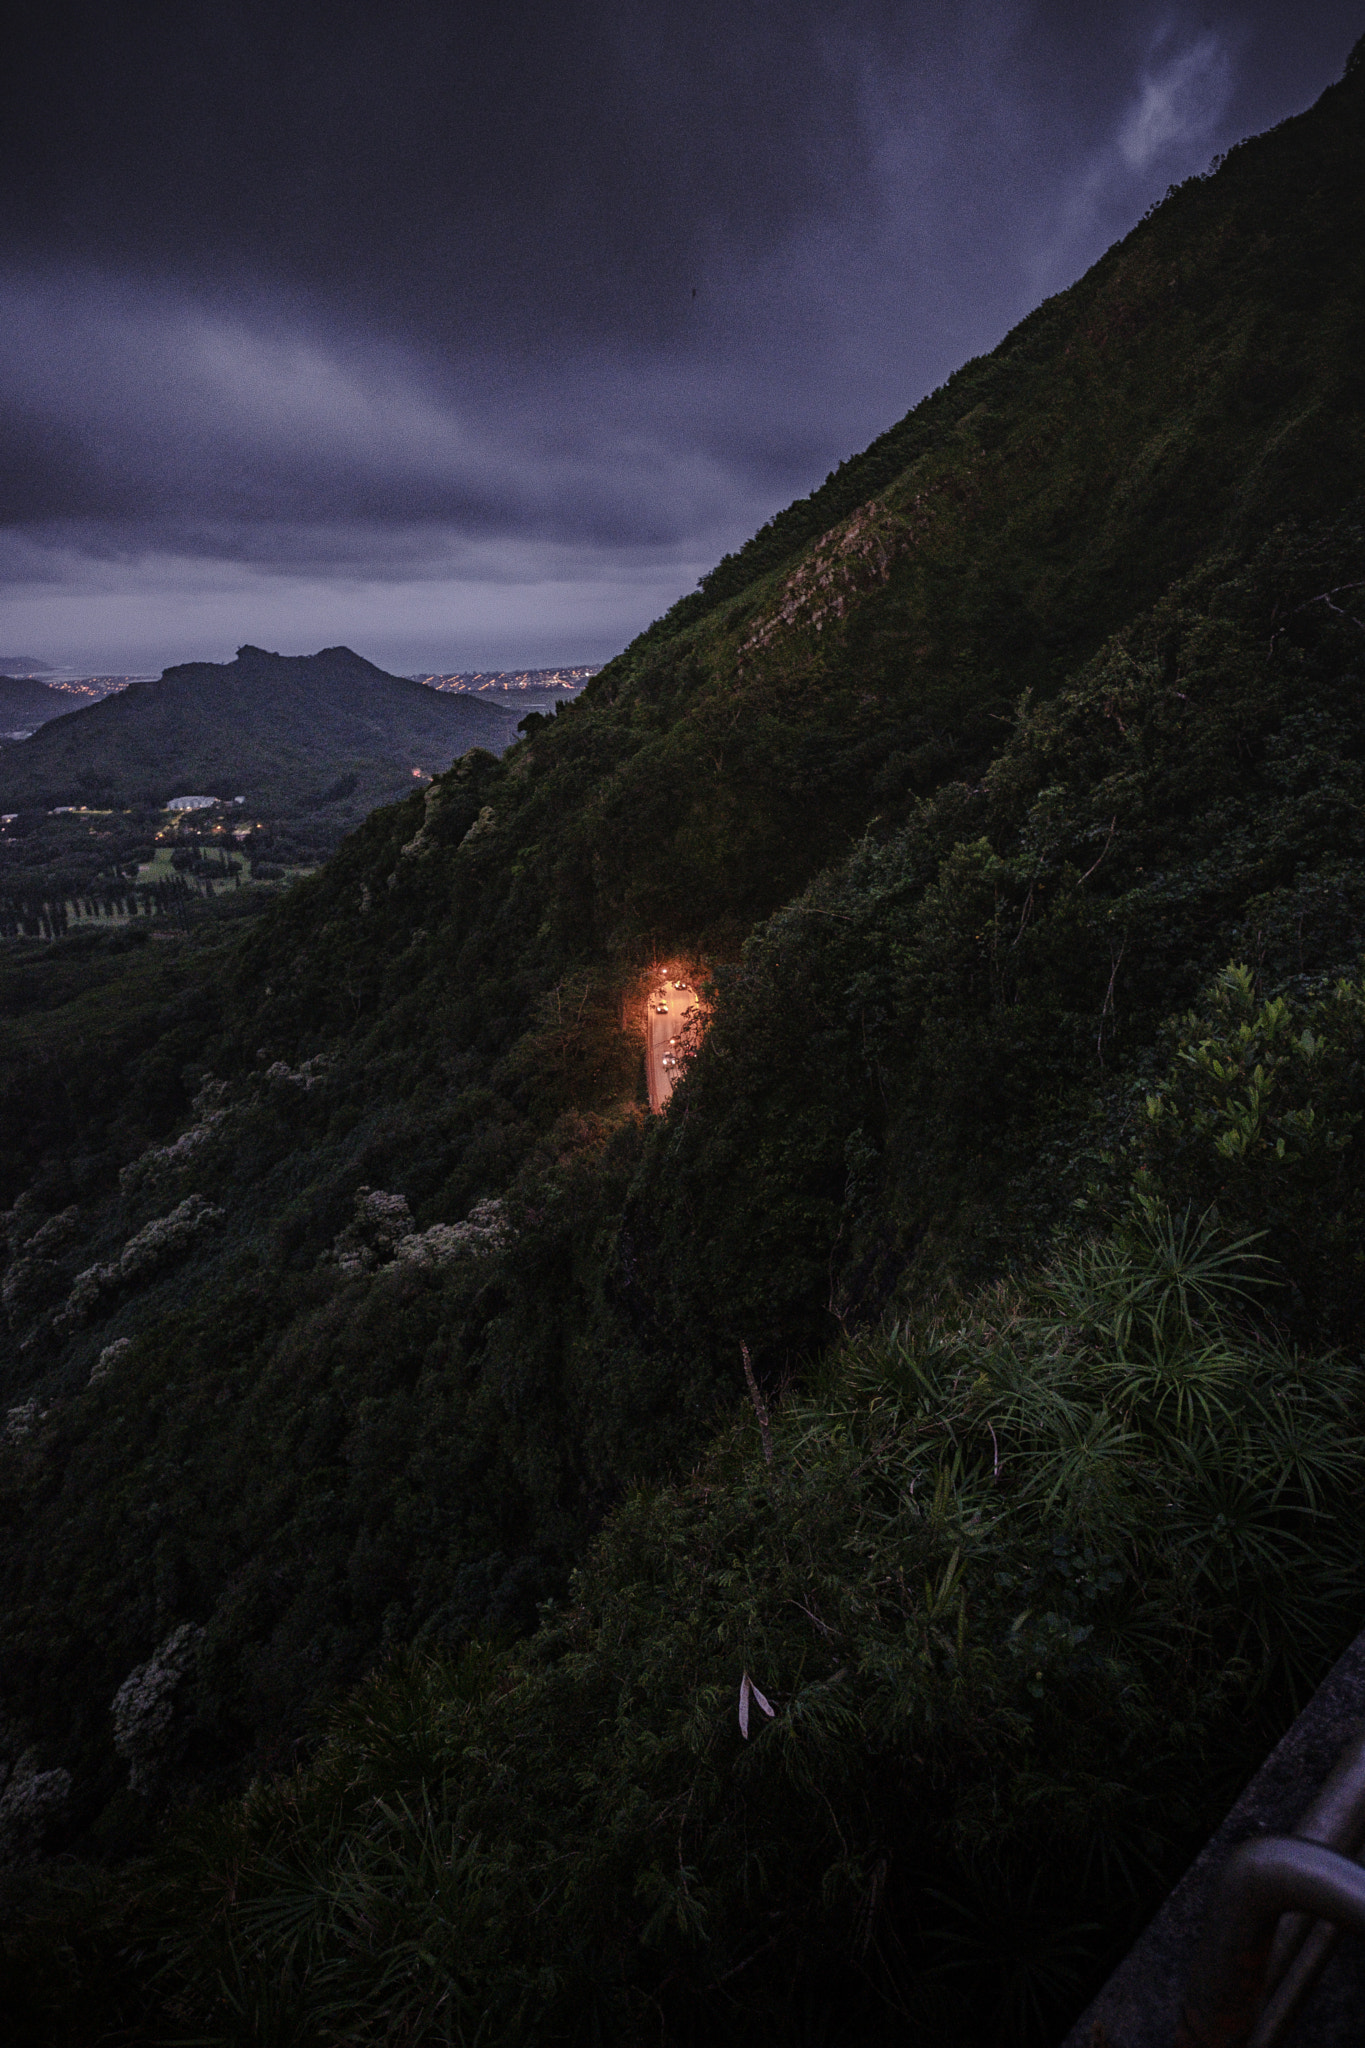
(473, 334)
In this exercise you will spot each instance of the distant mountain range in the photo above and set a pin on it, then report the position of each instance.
(321, 728)
(23, 665)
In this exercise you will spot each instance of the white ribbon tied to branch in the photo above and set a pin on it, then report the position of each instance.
(749, 1691)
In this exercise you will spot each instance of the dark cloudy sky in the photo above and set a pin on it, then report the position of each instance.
(472, 334)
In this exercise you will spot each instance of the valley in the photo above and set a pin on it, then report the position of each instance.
(92, 808)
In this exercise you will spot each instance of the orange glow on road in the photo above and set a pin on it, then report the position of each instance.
(675, 1018)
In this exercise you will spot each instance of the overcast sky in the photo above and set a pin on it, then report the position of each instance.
(470, 335)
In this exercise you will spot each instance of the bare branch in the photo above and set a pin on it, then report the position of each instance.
(1109, 993)
(760, 1406)
(1102, 852)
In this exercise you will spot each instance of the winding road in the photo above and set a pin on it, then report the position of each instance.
(668, 1014)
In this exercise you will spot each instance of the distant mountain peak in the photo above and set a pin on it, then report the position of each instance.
(335, 657)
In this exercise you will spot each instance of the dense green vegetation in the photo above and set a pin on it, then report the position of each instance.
(60, 871)
(998, 1582)
(357, 1307)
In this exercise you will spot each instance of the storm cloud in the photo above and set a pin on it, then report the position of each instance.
(472, 335)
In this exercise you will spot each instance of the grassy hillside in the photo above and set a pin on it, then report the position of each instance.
(1010, 788)
(278, 729)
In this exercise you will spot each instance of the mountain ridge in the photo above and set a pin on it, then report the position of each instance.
(259, 723)
(864, 475)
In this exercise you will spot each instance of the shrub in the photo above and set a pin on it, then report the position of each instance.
(1260, 1113)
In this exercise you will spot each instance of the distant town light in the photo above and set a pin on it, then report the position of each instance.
(191, 803)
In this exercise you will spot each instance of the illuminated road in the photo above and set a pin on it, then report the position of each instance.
(668, 1022)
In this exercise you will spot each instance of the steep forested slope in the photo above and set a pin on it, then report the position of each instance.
(966, 778)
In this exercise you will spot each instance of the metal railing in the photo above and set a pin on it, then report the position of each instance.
(1280, 1904)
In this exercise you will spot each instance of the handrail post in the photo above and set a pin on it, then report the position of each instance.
(1261, 1880)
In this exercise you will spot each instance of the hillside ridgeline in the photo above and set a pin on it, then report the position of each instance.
(271, 727)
